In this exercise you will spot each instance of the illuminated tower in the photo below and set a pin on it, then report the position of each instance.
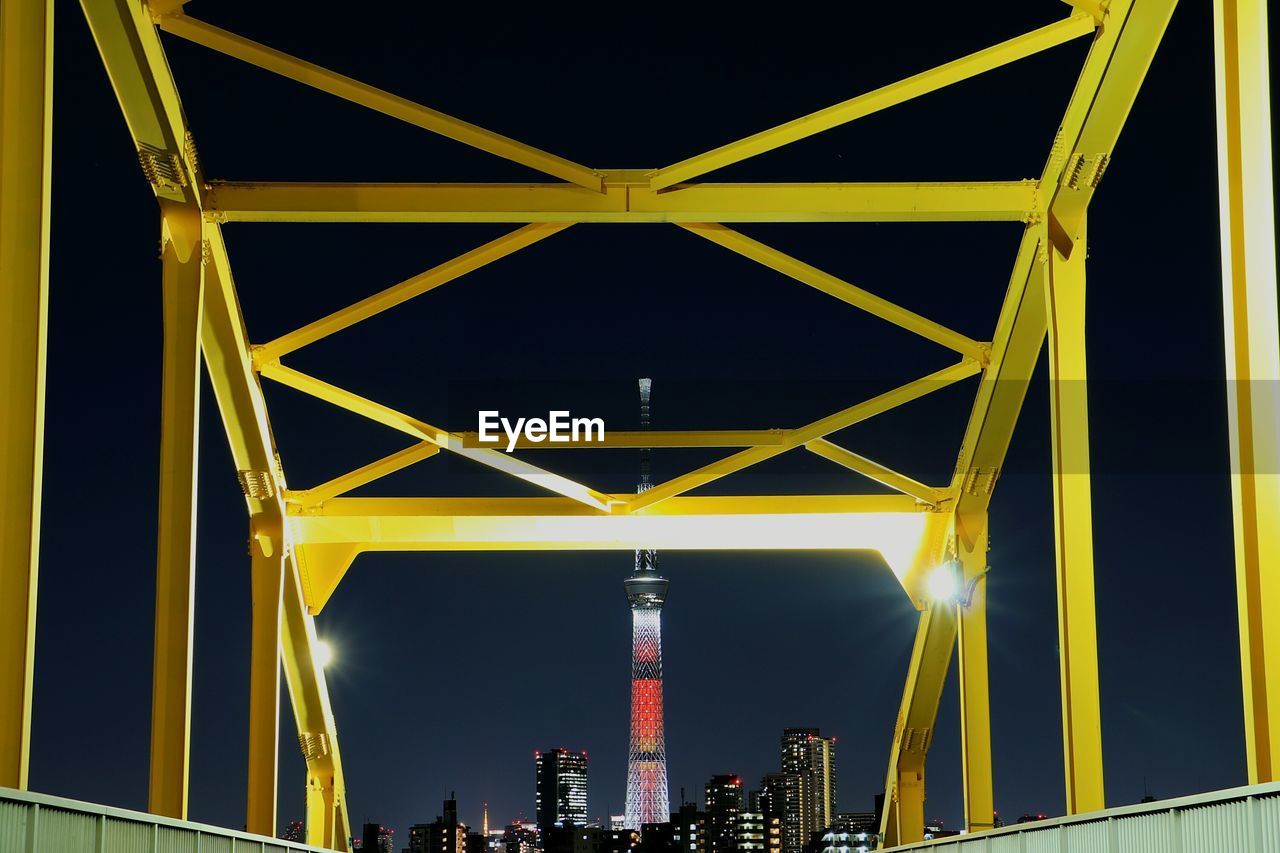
(646, 591)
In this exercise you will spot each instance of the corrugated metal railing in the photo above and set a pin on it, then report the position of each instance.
(1236, 820)
(38, 823)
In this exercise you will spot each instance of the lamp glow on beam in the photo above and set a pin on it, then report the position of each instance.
(942, 583)
(323, 653)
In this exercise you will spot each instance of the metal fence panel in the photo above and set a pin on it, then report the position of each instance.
(13, 825)
(1086, 837)
(1269, 823)
(60, 830)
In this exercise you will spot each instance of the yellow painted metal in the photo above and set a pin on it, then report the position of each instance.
(243, 410)
(331, 535)
(420, 429)
(875, 471)
(139, 73)
(1247, 214)
(328, 818)
(902, 819)
(975, 700)
(1073, 527)
(887, 96)
(26, 97)
(324, 532)
(795, 438)
(624, 199)
(365, 474)
(267, 580)
(647, 438)
(405, 290)
(375, 99)
(183, 295)
(1130, 33)
(842, 290)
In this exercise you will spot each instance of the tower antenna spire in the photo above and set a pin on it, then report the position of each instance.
(647, 800)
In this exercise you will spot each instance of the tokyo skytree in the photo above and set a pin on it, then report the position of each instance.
(647, 800)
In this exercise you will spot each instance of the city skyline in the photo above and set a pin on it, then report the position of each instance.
(561, 797)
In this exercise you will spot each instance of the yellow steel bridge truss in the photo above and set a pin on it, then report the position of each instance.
(302, 540)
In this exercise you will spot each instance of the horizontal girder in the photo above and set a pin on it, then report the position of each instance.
(624, 199)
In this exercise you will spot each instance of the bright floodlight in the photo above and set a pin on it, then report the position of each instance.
(324, 653)
(942, 583)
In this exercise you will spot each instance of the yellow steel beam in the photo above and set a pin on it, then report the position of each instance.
(139, 73)
(1073, 526)
(1107, 85)
(405, 290)
(647, 438)
(1246, 208)
(328, 818)
(243, 410)
(842, 290)
(902, 819)
(875, 471)
(26, 97)
(1104, 93)
(1130, 33)
(420, 429)
(887, 96)
(895, 534)
(183, 286)
(1016, 346)
(235, 386)
(365, 95)
(365, 474)
(267, 582)
(794, 438)
(624, 199)
(330, 536)
(975, 698)
(558, 507)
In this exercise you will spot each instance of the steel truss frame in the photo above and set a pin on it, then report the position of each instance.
(303, 540)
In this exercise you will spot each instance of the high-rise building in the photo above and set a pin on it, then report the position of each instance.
(520, 837)
(445, 835)
(561, 788)
(782, 795)
(758, 833)
(808, 754)
(689, 834)
(723, 805)
(378, 839)
(647, 800)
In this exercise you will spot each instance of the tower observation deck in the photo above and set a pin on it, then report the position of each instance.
(647, 800)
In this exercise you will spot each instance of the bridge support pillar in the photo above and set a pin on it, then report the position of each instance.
(1073, 525)
(1253, 362)
(26, 77)
(327, 823)
(268, 567)
(183, 293)
(975, 703)
(903, 819)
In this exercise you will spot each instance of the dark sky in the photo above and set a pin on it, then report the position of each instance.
(453, 668)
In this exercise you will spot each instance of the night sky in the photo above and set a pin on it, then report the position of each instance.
(453, 668)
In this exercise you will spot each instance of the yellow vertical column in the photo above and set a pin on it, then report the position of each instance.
(1253, 362)
(264, 681)
(903, 819)
(183, 285)
(975, 703)
(1073, 526)
(26, 86)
